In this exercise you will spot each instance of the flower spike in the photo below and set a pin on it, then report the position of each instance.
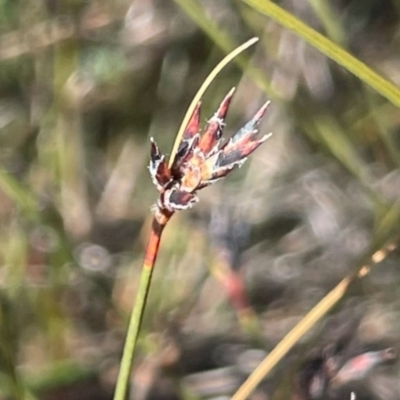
(202, 160)
(210, 139)
(243, 143)
(193, 126)
(158, 167)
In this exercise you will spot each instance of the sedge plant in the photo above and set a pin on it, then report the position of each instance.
(196, 161)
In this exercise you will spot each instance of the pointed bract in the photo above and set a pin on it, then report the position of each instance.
(179, 200)
(250, 128)
(193, 126)
(243, 143)
(213, 132)
(235, 152)
(185, 153)
(159, 171)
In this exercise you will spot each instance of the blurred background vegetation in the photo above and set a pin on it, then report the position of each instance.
(83, 85)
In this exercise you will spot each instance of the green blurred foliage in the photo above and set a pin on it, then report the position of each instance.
(83, 85)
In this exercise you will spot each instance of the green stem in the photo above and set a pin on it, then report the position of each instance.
(138, 310)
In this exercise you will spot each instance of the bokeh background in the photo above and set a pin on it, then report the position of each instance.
(83, 85)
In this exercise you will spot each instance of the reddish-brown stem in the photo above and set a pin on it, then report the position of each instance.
(153, 243)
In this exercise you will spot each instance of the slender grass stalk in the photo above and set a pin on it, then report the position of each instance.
(221, 65)
(283, 347)
(384, 232)
(336, 53)
(153, 245)
(195, 10)
(138, 309)
(305, 324)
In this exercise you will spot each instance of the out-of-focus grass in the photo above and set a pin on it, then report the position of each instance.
(75, 114)
(221, 39)
(352, 64)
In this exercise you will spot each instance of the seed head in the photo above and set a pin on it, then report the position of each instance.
(203, 159)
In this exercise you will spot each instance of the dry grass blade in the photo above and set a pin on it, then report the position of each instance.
(307, 323)
(386, 229)
(329, 48)
(292, 338)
